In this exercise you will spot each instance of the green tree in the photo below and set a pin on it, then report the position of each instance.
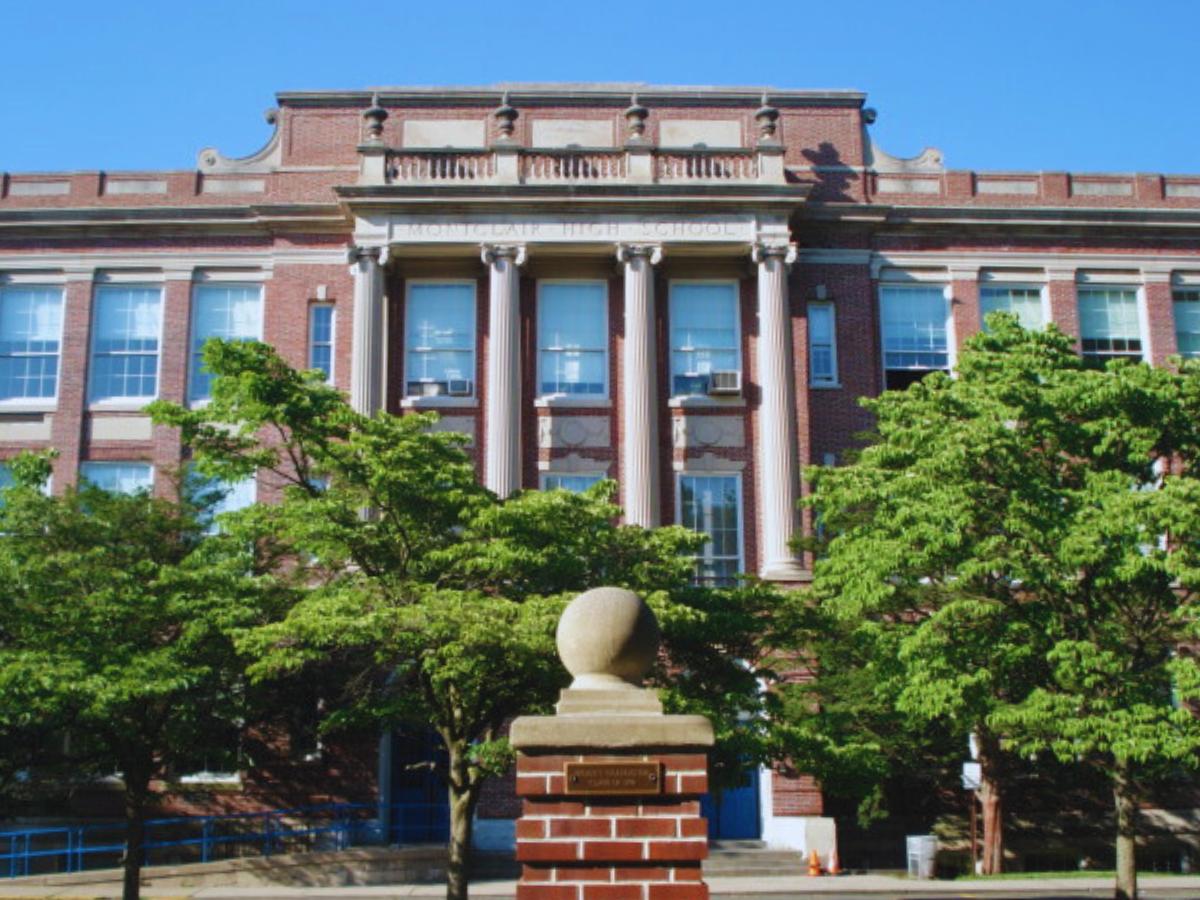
(116, 630)
(441, 597)
(1011, 524)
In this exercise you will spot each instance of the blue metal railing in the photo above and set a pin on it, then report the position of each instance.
(335, 826)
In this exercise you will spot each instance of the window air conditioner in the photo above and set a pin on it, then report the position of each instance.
(458, 387)
(725, 384)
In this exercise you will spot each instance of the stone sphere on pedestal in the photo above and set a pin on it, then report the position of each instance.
(607, 638)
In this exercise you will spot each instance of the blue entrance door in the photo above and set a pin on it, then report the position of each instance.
(733, 813)
(420, 810)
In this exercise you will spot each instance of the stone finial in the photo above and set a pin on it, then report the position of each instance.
(375, 115)
(635, 117)
(506, 118)
(607, 638)
(767, 118)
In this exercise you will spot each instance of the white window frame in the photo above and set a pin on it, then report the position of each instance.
(1176, 290)
(951, 339)
(737, 327)
(197, 287)
(1139, 300)
(116, 462)
(543, 477)
(834, 380)
(129, 402)
(741, 508)
(1043, 297)
(567, 399)
(411, 400)
(39, 404)
(312, 309)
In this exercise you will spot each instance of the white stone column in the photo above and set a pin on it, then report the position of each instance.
(639, 361)
(367, 351)
(776, 452)
(502, 415)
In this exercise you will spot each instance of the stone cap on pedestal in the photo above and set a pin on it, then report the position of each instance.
(608, 639)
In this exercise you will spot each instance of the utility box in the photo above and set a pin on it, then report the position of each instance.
(922, 855)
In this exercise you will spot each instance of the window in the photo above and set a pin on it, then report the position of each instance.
(30, 332)
(229, 311)
(125, 333)
(440, 339)
(118, 477)
(711, 505)
(575, 483)
(6, 480)
(224, 496)
(573, 338)
(1187, 322)
(915, 332)
(1108, 324)
(704, 334)
(822, 344)
(1023, 302)
(320, 338)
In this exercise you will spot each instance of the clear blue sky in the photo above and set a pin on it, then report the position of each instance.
(1083, 85)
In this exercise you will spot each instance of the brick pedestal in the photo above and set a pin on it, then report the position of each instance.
(588, 847)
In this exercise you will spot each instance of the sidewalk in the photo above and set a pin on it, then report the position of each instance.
(846, 887)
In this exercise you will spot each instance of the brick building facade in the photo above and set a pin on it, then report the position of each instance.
(683, 289)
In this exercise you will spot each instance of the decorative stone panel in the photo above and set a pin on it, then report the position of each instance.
(120, 428)
(33, 427)
(459, 424)
(573, 431)
(708, 431)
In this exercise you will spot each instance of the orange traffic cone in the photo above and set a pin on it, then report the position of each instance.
(814, 864)
(835, 865)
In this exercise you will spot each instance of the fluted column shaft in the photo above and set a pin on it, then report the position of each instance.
(639, 489)
(777, 451)
(367, 352)
(502, 414)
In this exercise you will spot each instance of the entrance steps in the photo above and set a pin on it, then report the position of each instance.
(751, 859)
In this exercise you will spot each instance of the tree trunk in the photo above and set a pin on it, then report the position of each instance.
(1126, 800)
(137, 791)
(990, 798)
(464, 793)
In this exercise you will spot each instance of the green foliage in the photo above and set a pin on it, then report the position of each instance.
(1027, 531)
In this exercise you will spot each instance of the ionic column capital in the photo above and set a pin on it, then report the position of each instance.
(492, 253)
(627, 253)
(762, 252)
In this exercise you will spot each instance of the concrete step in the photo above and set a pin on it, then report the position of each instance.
(749, 859)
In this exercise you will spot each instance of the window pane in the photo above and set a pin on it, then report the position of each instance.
(709, 505)
(229, 311)
(127, 322)
(914, 328)
(228, 497)
(320, 339)
(1108, 323)
(573, 483)
(6, 480)
(1023, 302)
(30, 331)
(822, 362)
(1187, 322)
(439, 335)
(573, 338)
(118, 477)
(704, 334)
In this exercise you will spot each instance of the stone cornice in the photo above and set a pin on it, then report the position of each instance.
(1007, 216)
(574, 95)
(250, 218)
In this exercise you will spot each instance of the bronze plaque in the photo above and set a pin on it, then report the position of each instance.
(622, 778)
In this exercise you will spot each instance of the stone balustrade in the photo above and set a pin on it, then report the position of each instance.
(570, 165)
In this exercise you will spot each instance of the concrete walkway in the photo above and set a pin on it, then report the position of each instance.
(847, 887)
